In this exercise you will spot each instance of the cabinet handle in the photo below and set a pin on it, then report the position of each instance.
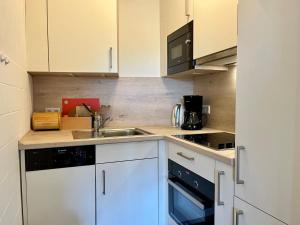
(219, 202)
(237, 215)
(110, 58)
(103, 181)
(186, 157)
(238, 176)
(187, 8)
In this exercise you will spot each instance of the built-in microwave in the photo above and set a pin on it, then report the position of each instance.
(180, 49)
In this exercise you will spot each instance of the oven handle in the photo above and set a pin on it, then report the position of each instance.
(183, 192)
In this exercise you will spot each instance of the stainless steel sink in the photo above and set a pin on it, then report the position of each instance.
(105, 133)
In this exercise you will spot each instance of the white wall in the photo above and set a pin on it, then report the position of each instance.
(139, 38)
(15, 107)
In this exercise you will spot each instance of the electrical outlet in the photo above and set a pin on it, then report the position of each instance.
(206, 109)
(52, 109)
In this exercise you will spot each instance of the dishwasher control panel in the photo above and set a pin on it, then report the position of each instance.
(53, 158)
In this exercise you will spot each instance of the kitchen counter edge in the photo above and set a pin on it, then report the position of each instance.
(157, 133)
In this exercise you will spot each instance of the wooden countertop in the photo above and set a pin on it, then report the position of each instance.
(64, 138)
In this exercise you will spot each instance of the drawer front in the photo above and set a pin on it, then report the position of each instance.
(196, 162)
(126, 151)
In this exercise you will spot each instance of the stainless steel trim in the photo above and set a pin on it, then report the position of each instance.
(183, 192)
(217, 56)
(200, 70)
(110, 58)
(219, 202)
(103, 180)
(238, 164)
(237, 213)
(186, 157)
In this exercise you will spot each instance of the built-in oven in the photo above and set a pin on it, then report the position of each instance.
(180, 49)
(191, 197)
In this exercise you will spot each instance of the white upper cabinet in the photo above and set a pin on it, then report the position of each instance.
(266, 104)
(36, 35)
(82, 36)
(139, 44)
(72, 36)
(215, 26)
(173, 15)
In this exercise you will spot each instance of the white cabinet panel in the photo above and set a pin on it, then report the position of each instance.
(215, 26)
(253, 216)
(82, 35)
(224, 194)
(61, 196)
(126, 151)
(127, 193)
(266, 100)
(199, 164)
(36, 35)
(139, 47)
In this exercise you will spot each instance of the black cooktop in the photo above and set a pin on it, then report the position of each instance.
(216, 141)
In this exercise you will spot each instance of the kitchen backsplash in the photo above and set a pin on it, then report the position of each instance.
(134, 101)
(219, 92)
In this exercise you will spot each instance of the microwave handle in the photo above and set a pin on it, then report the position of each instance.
(185, 194)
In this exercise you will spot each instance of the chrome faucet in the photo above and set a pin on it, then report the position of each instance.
(99, 121)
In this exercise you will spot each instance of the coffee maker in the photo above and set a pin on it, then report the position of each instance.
(193, 112)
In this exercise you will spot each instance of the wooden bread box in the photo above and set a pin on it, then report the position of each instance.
(46, 121)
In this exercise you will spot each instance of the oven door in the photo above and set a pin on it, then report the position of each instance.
(186, 208)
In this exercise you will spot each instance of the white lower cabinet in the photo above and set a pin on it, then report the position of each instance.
(246, 214)
(127, 192)
(224, 191)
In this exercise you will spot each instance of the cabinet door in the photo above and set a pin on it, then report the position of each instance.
(141, 44)
(249, 215)
(215, 26)
(82, 35)
(224, 184)
(266, 101)
(36, 35)
(64, 196)
(127, 193)
(173, 15)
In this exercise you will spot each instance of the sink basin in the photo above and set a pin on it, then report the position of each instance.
(105, 133)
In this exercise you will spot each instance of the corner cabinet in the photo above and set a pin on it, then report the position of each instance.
(73, 36)
(215, 26)
(127, 183)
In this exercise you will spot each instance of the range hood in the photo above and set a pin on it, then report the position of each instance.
(214, 63)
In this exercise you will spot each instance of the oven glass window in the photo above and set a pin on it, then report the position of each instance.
(176, 52)
(185, 212)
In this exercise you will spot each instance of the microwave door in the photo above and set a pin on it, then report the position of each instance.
(176, 52)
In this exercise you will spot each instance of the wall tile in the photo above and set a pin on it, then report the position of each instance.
(134, 101)
(219, 91)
